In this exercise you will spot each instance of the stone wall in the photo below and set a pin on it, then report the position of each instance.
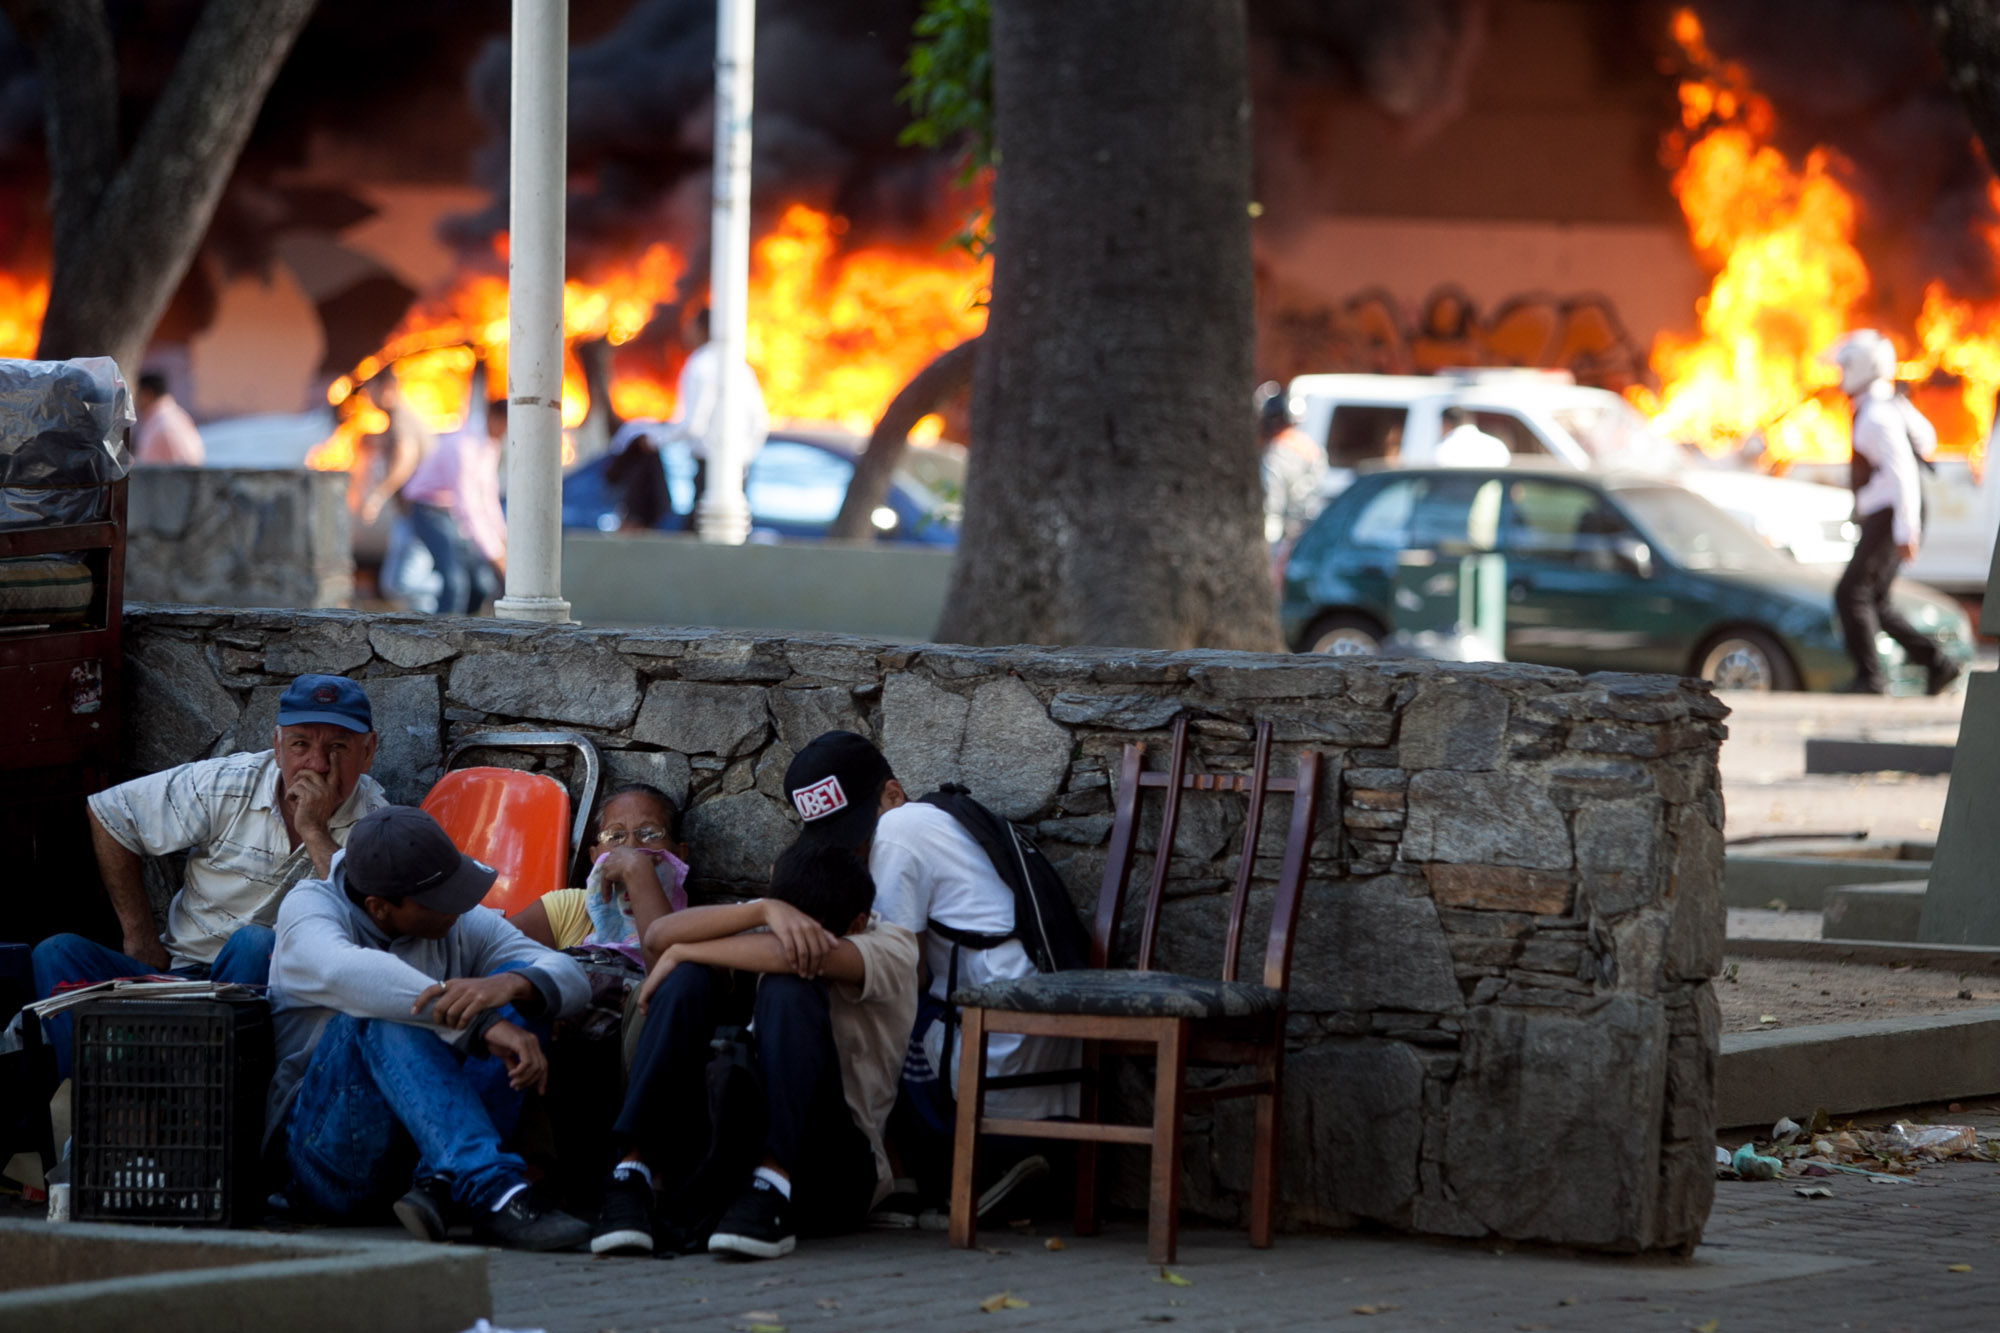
(1501, 1024)
(238, 537)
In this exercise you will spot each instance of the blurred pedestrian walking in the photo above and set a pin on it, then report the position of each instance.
(408, 443)
(454, 512)
(1292, 465)
(695, 397)
(166, 433)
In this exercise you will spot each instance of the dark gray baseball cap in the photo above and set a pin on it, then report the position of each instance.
(400, 852)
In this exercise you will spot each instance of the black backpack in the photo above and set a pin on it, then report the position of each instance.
(1045, 920)
(738, 1117)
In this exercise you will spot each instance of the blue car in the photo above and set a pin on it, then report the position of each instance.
(794, 487)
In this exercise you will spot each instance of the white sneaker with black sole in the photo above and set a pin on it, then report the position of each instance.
(757, 1226)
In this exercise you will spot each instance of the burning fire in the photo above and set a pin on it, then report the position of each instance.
(833, 333)
(23, 301)
(1789, 282)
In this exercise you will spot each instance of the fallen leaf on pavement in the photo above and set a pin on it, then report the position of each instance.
(827, 1303)
(994, 1249)
(1005, 1300)
(1380, 1307)
(1767, 1018)
(1813, 1192)
(1053, 1243)
(1567, 1300)
(1172, 1278)
(1708, 1327)
(760, 1316)
(1958, 1268)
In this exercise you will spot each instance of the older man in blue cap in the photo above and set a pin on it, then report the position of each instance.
(254, 824)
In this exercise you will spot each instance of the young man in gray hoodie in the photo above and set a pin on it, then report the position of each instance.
(401, 1007)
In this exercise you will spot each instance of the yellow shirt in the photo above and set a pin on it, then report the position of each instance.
(569, 916)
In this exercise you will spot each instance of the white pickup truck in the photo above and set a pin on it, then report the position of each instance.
(1545, 415)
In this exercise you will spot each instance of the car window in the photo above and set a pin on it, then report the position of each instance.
(1453, 514)
(1552, 520)
(1360, 433)
(790, 482)
(1511, 431)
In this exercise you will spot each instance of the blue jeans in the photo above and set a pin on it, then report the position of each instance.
(437, 531)
(245, 959)
(383, 1103)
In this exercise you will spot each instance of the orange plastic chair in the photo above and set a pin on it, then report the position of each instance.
(518, 823)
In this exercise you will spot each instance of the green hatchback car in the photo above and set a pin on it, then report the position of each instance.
(1590, 572)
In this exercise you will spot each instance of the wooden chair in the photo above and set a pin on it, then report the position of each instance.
(1177, 1020)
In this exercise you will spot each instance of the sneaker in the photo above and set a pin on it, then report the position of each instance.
(899, 1208)
(1011, 1183)
(625, 1222)
(425, 1211)
(757, 1226)
(523, 1225)
(1943, 671)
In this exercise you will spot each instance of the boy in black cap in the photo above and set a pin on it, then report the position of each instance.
(930, 872)
(398, 1005)
(834, 1006)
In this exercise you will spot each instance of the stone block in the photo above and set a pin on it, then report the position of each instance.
(803, 714)
(696, 718)
(1485, 818)
(1499, 889)
(732, 841)
(1554, 1130)
(176, 707)
(999, 742)
(1338, 963)
(585, 684)
(656, 768)
(411, 645)
(1460, 725)
(1120, 712)
(1694, 939)
(331, 648)
(1353, 1125)
(1619, 857)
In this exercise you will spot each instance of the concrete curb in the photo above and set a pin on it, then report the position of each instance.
(1942, 957)
(1849, 1067)
(174, 1281)
(1827, 755)
(1801, 875)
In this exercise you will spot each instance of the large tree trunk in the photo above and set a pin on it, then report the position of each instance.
(125, 230)
(1967, 33)
(928, 390)
(1112, 496)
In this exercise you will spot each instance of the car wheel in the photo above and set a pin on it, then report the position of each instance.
(1344, 634)
(1746, 659)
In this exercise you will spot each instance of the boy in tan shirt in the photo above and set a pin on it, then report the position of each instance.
(835, 1003)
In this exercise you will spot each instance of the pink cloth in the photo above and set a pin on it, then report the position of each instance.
(167, 434)
(462, 474)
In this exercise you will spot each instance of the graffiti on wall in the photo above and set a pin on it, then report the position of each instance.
(1372, 331)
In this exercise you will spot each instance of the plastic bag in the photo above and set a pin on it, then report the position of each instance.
(62, 439)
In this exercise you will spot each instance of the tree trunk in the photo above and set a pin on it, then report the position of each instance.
(1112, 495)
(126, 230)
(1967, 33)
(927, 390)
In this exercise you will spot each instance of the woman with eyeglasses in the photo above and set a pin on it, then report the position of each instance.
(639, 874)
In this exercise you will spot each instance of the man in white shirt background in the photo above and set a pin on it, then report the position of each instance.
(1889, 437)
(1463, 444)
(695, 395)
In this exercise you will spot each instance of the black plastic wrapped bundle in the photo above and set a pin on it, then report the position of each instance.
(62, 439)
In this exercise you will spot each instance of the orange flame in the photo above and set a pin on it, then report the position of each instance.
(1789, 281)
(833, 334)
(23, 302)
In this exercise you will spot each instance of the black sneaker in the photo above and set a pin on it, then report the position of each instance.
(523, 1225)
(899, 1208)
(625, 1222)
(425, 1211)
(757, 1226)
(1943, 671)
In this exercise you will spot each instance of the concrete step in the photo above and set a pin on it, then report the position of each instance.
(1887, 912)
(1798, 873)
(1841, 755)
(1851, 1067)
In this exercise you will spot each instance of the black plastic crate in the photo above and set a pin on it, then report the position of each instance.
(168, 1110)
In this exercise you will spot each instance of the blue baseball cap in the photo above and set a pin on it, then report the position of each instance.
(334, 700)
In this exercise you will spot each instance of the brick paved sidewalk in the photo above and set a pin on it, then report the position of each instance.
(1875, 1257)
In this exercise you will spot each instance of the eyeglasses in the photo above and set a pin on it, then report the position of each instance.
(649, 833)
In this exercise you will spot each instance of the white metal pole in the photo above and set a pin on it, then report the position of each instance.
(539, 118)
(724, 515)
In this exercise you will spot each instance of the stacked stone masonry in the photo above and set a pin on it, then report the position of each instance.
(1501, 1017)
